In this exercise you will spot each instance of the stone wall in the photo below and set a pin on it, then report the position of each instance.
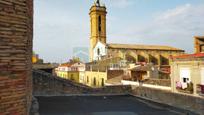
(46, 84)
(157, 57)
(114, 73)
(16, 32)
(187, 102)
(159, 82)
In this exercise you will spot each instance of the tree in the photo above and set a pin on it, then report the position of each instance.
(74, 60)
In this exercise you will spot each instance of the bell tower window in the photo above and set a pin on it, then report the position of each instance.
(99, 23)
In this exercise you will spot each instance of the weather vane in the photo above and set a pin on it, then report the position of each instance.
(97, 2)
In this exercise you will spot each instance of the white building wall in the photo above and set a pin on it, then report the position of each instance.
(102, 51)
(188, 69)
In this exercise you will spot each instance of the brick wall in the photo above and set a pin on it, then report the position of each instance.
(16, 24)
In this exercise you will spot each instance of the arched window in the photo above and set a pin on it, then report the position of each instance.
(99, 23)
(94, 82)
(87, 80)
(98, 51)
(72, 77)
(102, 82)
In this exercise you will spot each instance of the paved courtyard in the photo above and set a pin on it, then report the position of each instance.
(99, 105)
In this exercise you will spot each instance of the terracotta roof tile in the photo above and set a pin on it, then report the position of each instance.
(143, 47)
(65, 65)
(196, 55)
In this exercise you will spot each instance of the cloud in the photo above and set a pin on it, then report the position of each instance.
(175, 27)
(171, 13)
(188, 17)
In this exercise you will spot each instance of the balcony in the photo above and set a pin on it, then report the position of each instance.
(184, 87)
(200, 90)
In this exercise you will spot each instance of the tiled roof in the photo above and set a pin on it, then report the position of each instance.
(142, 47)
(186, 56)
(65, 65)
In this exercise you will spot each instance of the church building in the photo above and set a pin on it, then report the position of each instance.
(101, 50)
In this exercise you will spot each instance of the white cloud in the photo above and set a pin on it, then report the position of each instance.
(175, 27)
(171, 13)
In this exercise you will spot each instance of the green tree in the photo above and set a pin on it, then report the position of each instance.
(74, 60)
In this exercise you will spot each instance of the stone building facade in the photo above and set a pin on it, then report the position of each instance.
(158, 55)
(16, 34)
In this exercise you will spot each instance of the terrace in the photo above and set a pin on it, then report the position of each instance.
(184, 87)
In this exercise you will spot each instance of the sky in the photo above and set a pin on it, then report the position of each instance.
(62, 25)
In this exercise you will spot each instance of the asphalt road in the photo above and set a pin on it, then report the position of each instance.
(99, 105)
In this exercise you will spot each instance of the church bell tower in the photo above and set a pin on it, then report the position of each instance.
(98, 25)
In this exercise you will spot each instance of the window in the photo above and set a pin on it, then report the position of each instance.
(99, 23)
(185, 75)
(102, 82)
(98, 51)
(94, 82)
(72, 77)
(87, 80)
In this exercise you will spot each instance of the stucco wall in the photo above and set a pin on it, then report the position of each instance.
(90, 75)
(186, 102)
(99, 51)
(16, 32)
(195, 73)
(74, 75)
